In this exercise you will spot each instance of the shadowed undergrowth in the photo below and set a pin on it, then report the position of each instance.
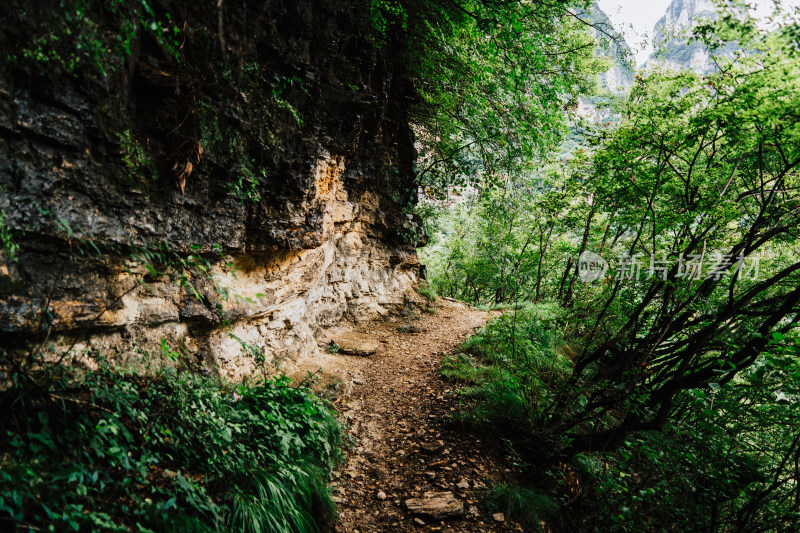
(172, 451)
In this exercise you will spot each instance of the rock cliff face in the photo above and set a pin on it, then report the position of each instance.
(672, 33)
(617, 80)
(232, 190)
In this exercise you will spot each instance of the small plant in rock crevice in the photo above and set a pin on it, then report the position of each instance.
(333, 348)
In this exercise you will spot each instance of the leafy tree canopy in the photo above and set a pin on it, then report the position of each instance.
(493, 80)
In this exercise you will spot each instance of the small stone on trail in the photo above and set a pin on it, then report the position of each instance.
(499, 517)
(432, 447)
(355, 344)
(381, 495)
(437, 505)
(419, 522)
(463, 484)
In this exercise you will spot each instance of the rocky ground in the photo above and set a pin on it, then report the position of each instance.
(409, 468)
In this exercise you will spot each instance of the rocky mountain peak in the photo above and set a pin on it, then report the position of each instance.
(618, 78)
(672, 33)
(682, 15)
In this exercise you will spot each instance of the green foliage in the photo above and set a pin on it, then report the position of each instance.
(411, 230)
(7, 238)
(381, 17)
(493, 81)
(165, 450)
(162, 263)
(74, 35)
(238, 150)
(333, 348)
(505, 245)
(90, 446)
(723, 465)
(700, 166)
(697, 165)
(280, 502)
(427, 291)
(267, 97)
(246, 187)
(250, 108)
(515, 363)
(524, 506)
(256, 353)
(135, 157)
(461, 367)
(168, 352)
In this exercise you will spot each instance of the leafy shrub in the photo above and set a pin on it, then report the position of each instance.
(166, 452)
(522, 505)
(498, 409)
(527, 344)
(727, 464)
(428, 291)
(7, 238)
(515, 365)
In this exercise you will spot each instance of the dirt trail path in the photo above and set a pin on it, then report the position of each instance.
(395, 405)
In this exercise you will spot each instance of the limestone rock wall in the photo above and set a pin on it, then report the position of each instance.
(675, 49)
(272, 150)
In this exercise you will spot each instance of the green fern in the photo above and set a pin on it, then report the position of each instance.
(526, 506)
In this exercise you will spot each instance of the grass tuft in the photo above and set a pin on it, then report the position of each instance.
(427, 291)
(526, 506)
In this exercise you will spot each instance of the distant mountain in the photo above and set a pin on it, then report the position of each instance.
(618, 79)
(672, 36)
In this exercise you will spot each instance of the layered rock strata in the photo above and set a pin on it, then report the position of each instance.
(230, 200)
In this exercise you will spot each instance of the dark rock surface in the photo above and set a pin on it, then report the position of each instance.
(275, 147)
